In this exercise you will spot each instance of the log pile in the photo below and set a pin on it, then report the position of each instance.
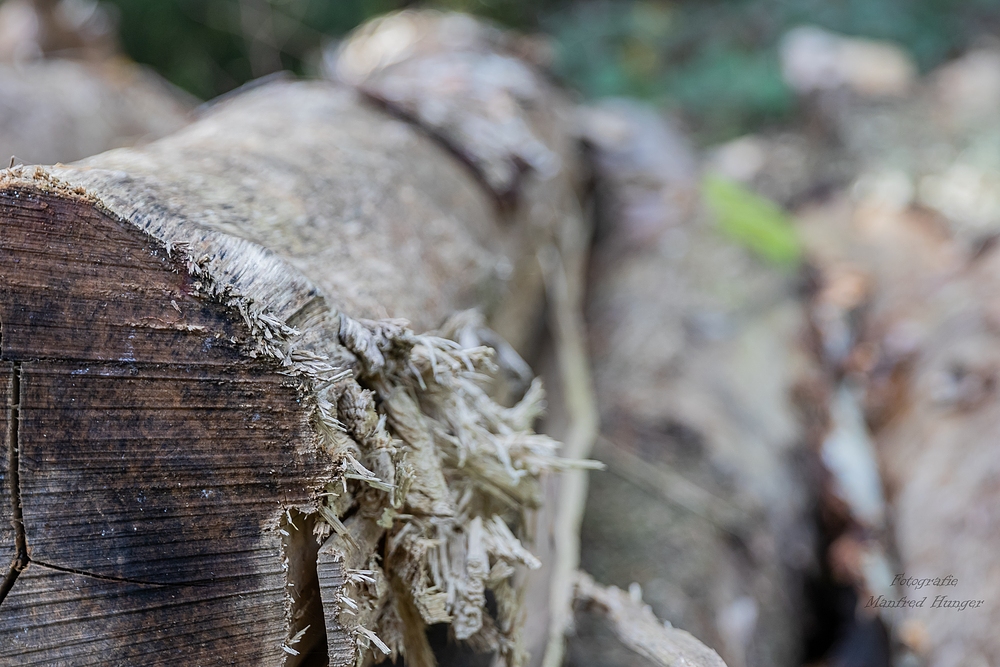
(905, 322)
(64, 110)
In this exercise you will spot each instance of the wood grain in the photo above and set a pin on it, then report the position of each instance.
(335, 558)
(155, 460)
(116, 275)
(60, 618)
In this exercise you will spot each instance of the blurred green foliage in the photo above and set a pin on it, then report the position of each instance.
(714, 61)
(211, 46)
(753, 221)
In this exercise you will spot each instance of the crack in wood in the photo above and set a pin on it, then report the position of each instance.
(104, 577)
(21, 557)
(14, 483)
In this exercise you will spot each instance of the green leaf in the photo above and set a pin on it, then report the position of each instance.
(753, 221)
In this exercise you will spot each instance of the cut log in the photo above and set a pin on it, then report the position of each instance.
(224, 448)
(198, 392)
(8, 500)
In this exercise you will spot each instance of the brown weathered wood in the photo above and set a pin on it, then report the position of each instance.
(336, 557)
(926, 349)
(87, 268)
(155, 464)
(80, 620)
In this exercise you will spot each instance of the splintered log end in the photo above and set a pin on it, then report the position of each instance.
(149, 461)
(350, 602)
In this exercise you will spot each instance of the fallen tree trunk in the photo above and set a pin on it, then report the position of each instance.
(194, 394)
